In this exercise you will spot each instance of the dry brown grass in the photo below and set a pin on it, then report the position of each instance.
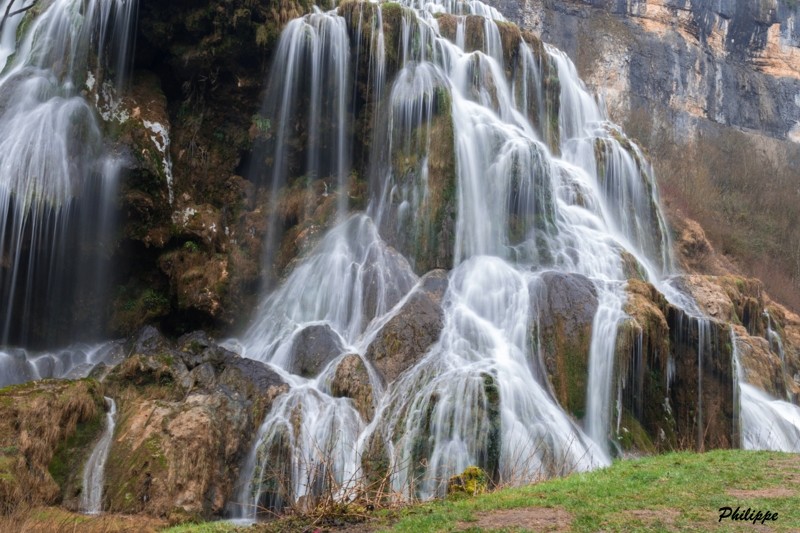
(35, 419)
(741, 188)
(56, 520)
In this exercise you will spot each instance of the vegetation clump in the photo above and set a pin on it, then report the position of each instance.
(471, 482)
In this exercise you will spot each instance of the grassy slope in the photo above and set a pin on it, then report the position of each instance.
(676, 491)
(694, 485)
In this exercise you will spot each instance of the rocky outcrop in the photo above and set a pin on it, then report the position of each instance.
(567, 304)
(676, 372)
(351, 380)
(46, 432)
(674, 377)
(406, 337)
(766, 332)
(312, 348)
(187, 414)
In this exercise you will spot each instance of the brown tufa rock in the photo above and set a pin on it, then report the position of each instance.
(198, 279)
(693, 250)
(187, 415)
(406, 337)
(351, 380)
(729, 298)
(760, 367)
(197, 223)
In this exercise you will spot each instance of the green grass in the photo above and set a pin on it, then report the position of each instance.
(681, 491)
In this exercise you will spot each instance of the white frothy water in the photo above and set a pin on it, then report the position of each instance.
(18, 365)
(56, 183)
(766, 423)
(480, 393)
(94, 470)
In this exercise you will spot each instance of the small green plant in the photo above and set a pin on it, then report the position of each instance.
(191, 246)
(262, 124)
(154, 300)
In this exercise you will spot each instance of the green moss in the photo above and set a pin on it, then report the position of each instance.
(632, 436)
(471, 482)
(135, 306)
(494, 440)
(69, 453)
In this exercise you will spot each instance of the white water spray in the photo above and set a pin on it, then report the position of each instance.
(94, 470)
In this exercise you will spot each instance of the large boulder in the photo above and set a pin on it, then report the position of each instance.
(313, 348)
(188, 413)
(406, 337)
(567, 304)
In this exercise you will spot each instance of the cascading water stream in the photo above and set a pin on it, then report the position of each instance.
(94, 470)
(765, 423)
(57, 184)
(479, 395)
(499, 169)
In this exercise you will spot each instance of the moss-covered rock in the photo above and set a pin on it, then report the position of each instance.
(351, 380)
(567, 304)
(675, 373)
(471, 482)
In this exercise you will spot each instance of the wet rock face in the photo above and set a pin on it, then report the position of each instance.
(676, 371)
(567, 304)
(405, 338)
(187, 414)
(313, 348)
(351, 380)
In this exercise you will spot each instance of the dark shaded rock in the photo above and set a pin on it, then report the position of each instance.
(405, 339)
(351, 380)
(313, 348)
(149, 340)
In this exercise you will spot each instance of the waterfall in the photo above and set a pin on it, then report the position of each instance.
(18, 365)
(94, 470)
(765, 423)
(475, 166)
(601, 367)
(58, 184)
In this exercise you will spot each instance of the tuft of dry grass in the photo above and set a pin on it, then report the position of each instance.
(35, 419)
(56, 520)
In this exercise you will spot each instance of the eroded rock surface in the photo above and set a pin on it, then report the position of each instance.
(187, 415)
(405, 339)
